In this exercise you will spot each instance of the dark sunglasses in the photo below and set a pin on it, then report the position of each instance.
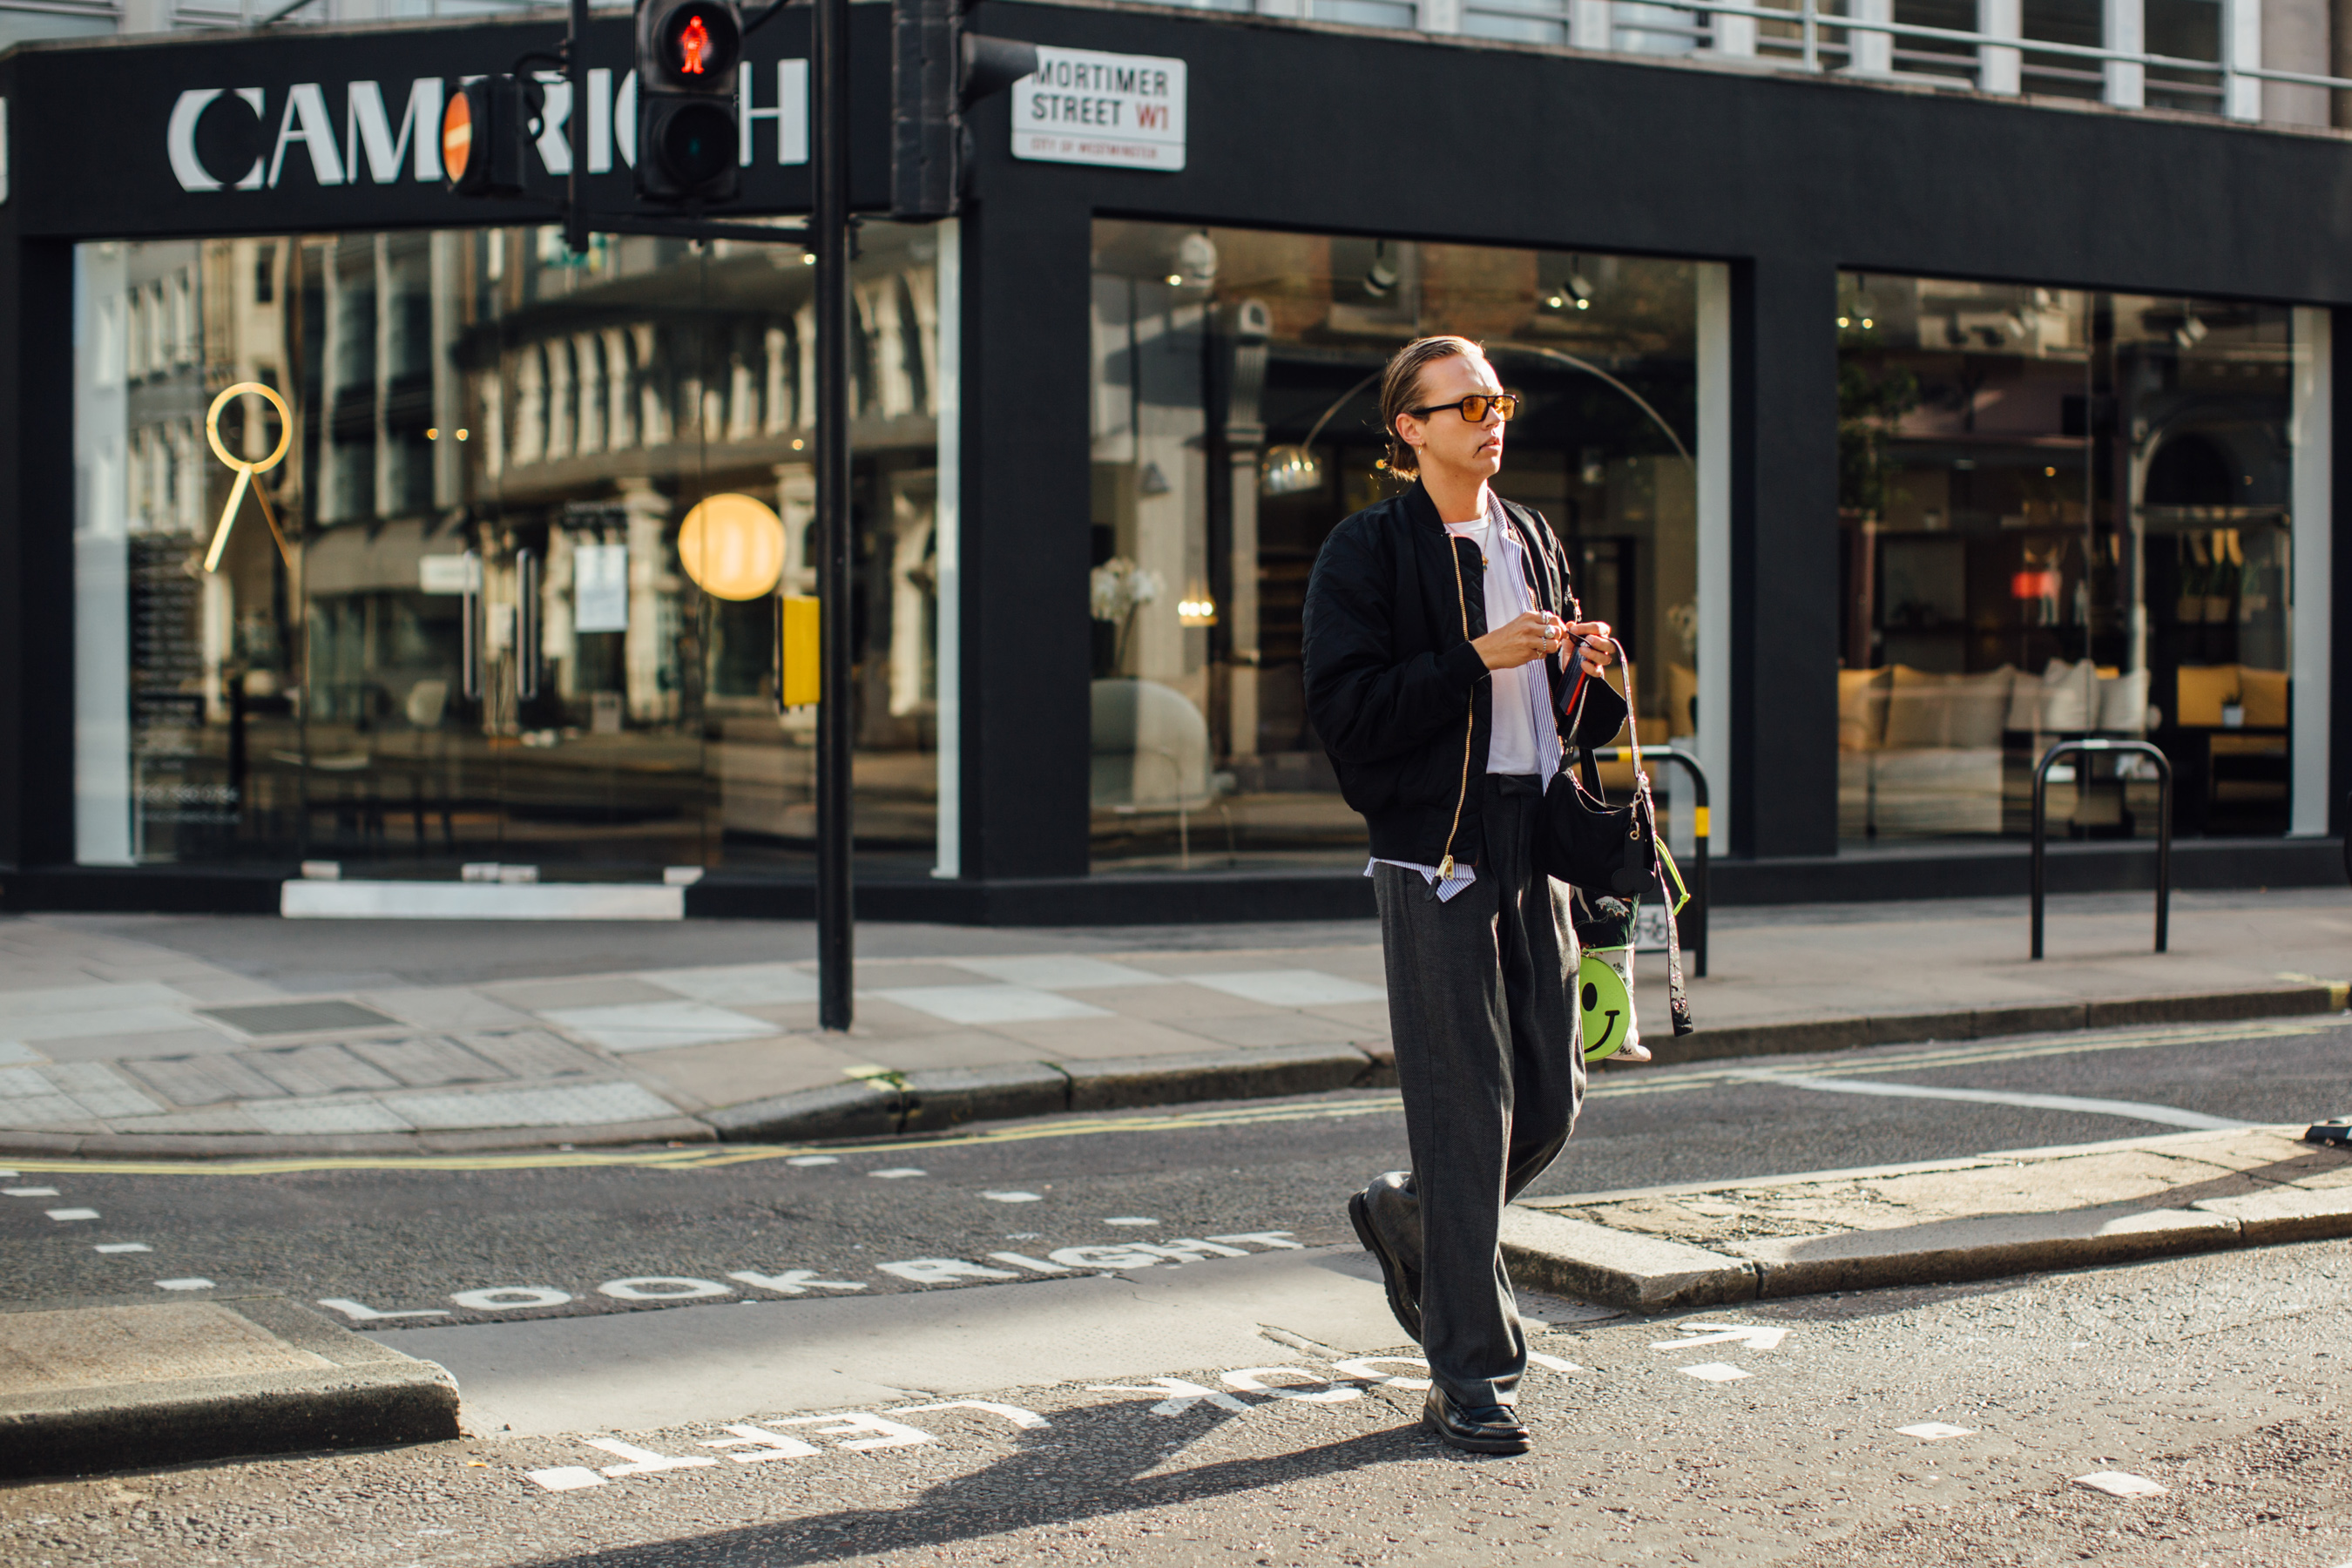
(1474, 407)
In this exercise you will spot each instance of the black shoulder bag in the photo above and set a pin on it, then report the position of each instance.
(1613, 850)
(1602, 849)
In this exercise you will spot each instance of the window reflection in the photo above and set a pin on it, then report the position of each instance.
(483, 644)
(2066, 514)
(1235, 422)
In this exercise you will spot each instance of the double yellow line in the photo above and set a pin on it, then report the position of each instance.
(711, 1156)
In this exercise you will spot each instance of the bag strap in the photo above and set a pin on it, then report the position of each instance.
(1677, 1001)
(1673, 879)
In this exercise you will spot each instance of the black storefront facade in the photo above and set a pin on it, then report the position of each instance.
(1903, 431)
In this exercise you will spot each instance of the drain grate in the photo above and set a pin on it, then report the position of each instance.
(298, 1017)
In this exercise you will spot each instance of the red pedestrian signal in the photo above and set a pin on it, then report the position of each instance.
(690, 141)
(689, 45)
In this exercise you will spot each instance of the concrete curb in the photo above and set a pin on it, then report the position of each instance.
(1801, 1036)
(1262, 1073)
(948, 1098)
(867, 1109)
(1547, 1248)
(366, 1396)
(1590, 1262)
(1990, 1247)
(234, 1146)
(2267, 1219)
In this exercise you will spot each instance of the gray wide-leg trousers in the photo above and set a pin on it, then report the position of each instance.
(1482, 1005)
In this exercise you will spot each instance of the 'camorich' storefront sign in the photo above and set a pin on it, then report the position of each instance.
(322, 129)
(1084, 107)
(244, 154)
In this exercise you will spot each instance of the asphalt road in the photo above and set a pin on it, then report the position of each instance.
(500, 1237)
(1934, 1426)
(2216, 1378)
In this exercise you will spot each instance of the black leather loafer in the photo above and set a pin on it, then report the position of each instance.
(1403, 1284)
(1491, 1430)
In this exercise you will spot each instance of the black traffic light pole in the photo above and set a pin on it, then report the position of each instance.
(829, 237)
(940, 73)
(575, 72)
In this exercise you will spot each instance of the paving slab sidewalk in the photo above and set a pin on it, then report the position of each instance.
(2015, 1211)
(130, 1035)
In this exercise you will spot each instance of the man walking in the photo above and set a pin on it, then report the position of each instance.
(1443, 680)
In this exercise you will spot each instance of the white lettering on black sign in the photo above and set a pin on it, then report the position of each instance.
(364, 140)
(1084, 107)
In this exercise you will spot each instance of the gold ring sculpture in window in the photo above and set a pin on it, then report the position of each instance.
(246, 468)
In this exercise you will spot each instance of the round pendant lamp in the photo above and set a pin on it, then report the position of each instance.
(732, 546)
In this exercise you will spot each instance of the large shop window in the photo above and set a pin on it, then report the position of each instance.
(484, 630)
(1236, 421)
(2069, 514)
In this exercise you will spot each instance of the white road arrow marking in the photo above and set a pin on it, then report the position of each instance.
(1754, 1339)
(566, 1478)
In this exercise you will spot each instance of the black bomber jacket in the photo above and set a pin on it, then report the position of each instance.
(1400, 698)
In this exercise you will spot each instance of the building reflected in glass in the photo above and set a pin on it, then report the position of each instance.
(479, 640)
(2066, 514)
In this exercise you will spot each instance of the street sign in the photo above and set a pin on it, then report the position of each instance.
(1087, 107)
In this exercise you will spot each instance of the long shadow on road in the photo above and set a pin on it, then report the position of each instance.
(1077, 1469)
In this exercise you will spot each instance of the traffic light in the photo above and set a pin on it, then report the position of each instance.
(938, 71)
(687, 144)
(482, 131)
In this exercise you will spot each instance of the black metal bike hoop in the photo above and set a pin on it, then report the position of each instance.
(2089, 748)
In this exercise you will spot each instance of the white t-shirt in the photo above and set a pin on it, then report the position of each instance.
(1524, 739)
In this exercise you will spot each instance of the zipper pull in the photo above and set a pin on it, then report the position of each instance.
(1445, 869)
